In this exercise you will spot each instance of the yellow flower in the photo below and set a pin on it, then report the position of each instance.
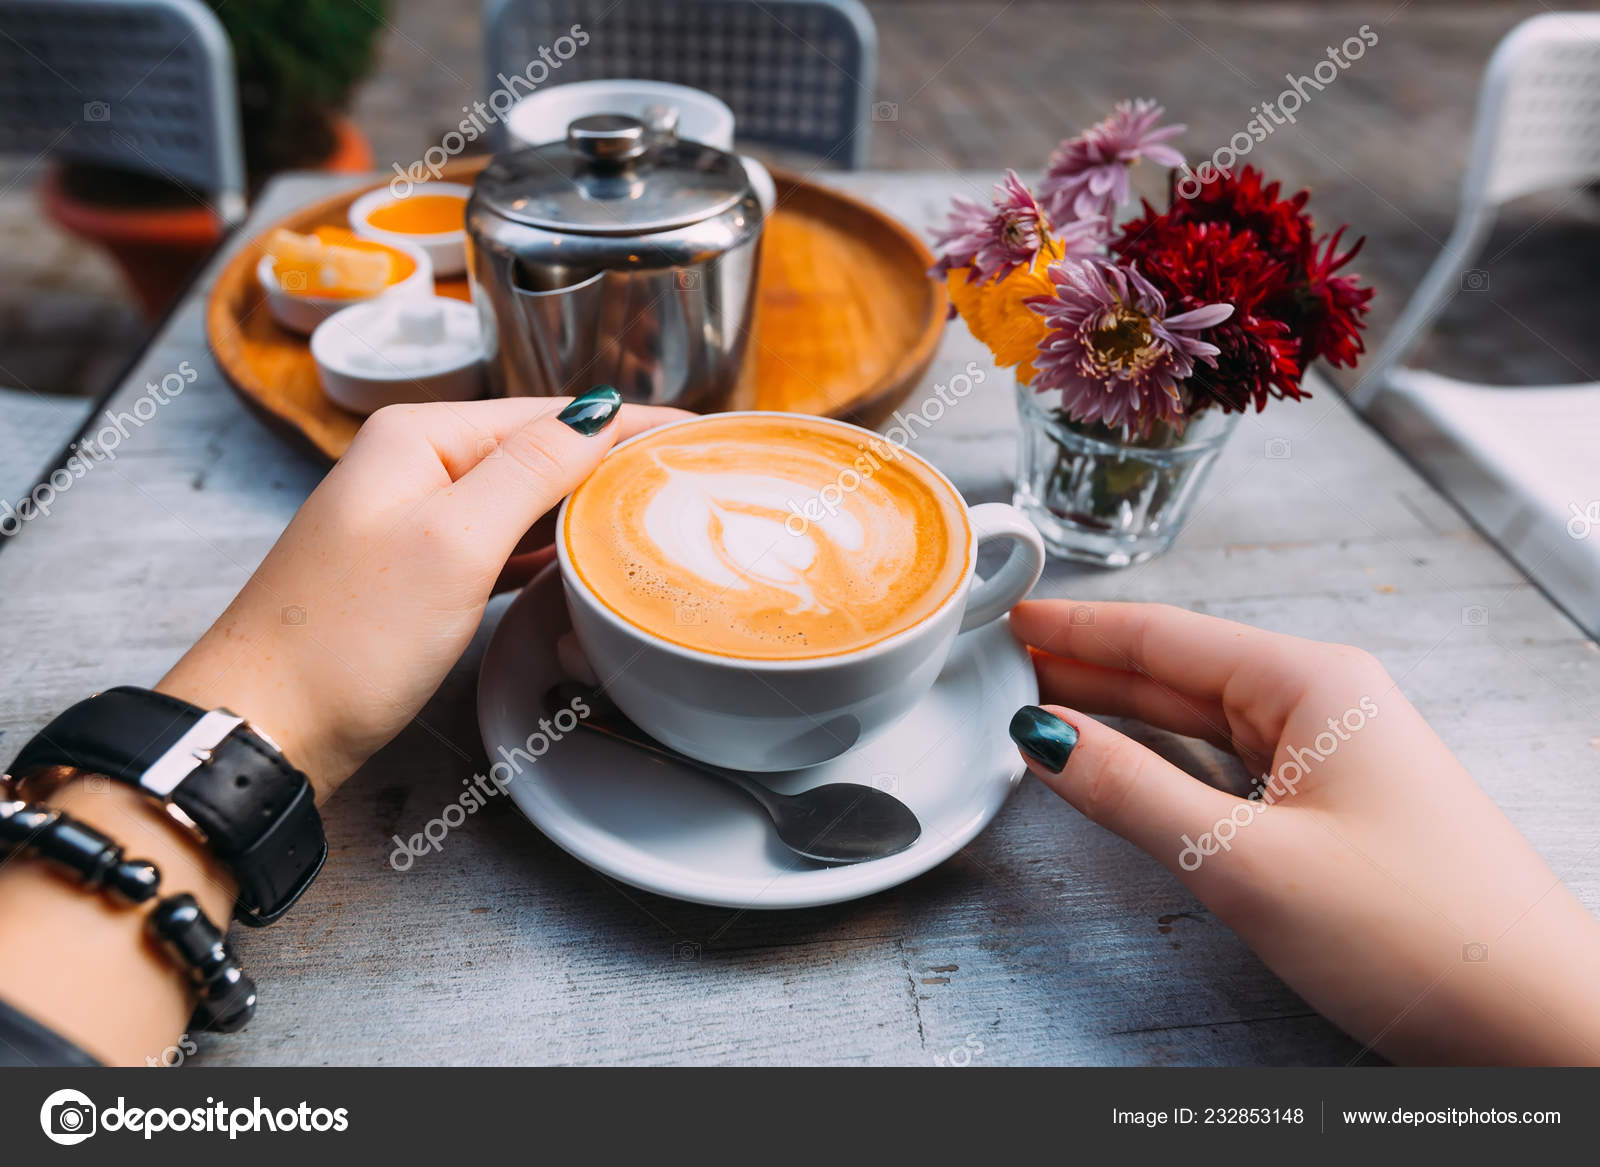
(997, 316)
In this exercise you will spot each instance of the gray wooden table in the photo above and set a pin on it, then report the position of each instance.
(1046, 941)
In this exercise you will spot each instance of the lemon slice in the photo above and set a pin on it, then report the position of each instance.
(308, 266)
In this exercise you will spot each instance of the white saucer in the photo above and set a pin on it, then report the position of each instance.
(667, 829)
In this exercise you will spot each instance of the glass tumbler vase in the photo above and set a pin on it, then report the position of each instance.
(1098, 497)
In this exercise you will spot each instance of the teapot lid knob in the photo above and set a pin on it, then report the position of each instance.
(661, 121)
(607, 138)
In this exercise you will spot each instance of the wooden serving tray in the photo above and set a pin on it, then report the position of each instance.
(847, 319)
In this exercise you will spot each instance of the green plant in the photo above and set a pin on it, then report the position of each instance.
(297, 62)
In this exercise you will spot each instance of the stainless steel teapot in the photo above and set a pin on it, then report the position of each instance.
(623, 255)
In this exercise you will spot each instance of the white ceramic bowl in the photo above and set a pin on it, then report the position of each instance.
(447, 249)
(543, 117)
(365, 390)
(300, 313)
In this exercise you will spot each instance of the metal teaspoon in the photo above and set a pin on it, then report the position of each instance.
(839, 822)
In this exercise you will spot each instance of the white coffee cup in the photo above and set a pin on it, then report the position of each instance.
(764, 715)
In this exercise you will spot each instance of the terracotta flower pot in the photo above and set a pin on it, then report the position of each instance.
(159, 248)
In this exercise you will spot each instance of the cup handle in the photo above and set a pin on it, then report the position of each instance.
(992, 598)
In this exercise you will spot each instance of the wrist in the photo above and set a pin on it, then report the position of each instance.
(209, 769)
(272, 704)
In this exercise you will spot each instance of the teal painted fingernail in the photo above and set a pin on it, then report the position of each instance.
(592, 412)
(1044, 737)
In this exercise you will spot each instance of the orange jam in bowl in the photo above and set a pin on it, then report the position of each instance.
(421, 214)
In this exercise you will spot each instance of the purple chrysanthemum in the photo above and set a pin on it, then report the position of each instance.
(993, 242)
(1088, 175)
(1083, 239)
(1112, 350)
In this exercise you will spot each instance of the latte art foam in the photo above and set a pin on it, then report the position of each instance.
(767, 538)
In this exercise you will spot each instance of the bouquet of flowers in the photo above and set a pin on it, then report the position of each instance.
(1219, 302)
(1133, 342)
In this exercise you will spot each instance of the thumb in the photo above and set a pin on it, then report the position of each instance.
(1119, 783)
(534, 467)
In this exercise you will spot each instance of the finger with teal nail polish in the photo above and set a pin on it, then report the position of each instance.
(1043, 737)
(592, 412)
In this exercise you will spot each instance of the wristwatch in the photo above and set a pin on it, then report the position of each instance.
(211, 771)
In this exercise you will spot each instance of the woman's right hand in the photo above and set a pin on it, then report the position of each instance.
(1371, 874)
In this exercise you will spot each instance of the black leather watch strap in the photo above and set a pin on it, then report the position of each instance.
(255, 811)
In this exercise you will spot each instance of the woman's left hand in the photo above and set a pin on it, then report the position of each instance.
(377, 585)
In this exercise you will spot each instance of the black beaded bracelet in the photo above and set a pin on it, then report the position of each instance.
(76, 849)
(177, 923)
(227, 996)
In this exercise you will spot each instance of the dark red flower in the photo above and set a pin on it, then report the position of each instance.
(1321, 312)
(1280, 225)
(1202, 258)
(1332, 306)
(1256, 362)
(1194, 263)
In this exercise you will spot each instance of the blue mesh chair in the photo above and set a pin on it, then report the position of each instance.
(145, 85)
(798, 74)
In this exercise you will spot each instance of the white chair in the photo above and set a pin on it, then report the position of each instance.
(1522, 462)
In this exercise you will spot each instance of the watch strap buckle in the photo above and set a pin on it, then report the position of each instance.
(188, 753)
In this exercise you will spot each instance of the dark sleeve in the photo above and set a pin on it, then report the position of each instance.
(24, 1042)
